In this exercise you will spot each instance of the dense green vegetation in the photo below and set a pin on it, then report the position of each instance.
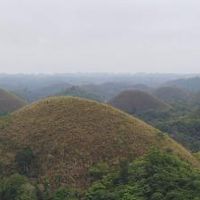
(186, 130)
(17, 187)
(156, 176)
(182, 123)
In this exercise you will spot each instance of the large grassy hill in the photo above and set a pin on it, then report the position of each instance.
(135, 101)
(9, 102)
(69, 135)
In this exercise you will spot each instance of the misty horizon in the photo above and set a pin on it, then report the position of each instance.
(189, 74)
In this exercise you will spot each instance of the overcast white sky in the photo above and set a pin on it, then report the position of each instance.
(46, 36)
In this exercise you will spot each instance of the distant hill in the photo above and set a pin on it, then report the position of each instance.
(43, 91)
(190, 84)
(77, 91)
(109, 90)
(9, 102)
(135, 101)
(172, 94)
(69, 135)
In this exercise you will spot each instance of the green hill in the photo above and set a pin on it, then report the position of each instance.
(135, 101)
(69, 135)
(9, 102)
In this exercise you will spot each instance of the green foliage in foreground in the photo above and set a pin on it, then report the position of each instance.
(157, 176)
(182, 123)
(17, 187)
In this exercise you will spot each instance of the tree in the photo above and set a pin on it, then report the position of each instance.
(24, 160)
(17, 187)
(65, 194)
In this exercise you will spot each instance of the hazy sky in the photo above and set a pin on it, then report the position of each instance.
(99, 36)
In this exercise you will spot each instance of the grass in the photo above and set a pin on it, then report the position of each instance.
(134, 101)
(69, 135)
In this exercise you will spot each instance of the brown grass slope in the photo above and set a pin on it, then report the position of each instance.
(9, 102)
(134, 101)
(69, 135)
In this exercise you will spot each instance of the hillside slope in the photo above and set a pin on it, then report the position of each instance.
(135, 101)
(9, 102)
(69, 135)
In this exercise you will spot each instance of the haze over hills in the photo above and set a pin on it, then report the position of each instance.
(185, 129)
(191, 84)
(46, 91)
(9, 102)
(135, 101)
(69, 135)
(33, 87)
(108, 90)
(172, 94)
(78, 91)
(29, 84)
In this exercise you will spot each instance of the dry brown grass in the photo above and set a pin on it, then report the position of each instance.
(134, 101)
(69, 135)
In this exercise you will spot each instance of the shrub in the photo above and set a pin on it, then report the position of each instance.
(65, 194)
(24, 160)
(17, 187)
(98, 171)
